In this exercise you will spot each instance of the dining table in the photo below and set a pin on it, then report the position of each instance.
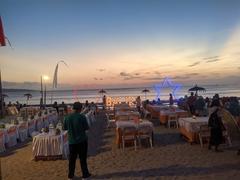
(189, 127)
(48, 146)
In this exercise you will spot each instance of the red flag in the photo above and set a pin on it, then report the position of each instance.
(2, 37)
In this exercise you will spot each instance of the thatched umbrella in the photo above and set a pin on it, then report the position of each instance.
(196, 88)
(145, 91)
(102, 91)
(29, 96)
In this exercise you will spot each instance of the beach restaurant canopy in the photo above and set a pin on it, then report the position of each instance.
(196, 88)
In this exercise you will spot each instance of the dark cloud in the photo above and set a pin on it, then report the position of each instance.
(194, 64)
(98, 79)
(124, 74)
(192, 74)
(154, 78)
(132, 77)
(101, 70)
(181, 77)
(157, 73)
(129, 76)
(212, 60)
(211, 57)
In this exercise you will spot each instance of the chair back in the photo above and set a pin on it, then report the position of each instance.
(131, 130)
(145, 130)
(204, 130)
(172, 116)
(122, 118)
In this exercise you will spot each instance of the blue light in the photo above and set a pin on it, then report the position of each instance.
(167, 83)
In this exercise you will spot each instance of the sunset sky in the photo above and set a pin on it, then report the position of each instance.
(112, 43)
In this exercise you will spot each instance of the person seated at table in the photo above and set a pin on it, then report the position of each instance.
(64, 106)
(216, 127)
(216, 101)
(159, 101)
(9, 104)
(76, 124)
(170, 99)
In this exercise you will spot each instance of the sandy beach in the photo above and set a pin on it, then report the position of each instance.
(171, 158)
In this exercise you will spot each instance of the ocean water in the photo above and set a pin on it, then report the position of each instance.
(70, 96)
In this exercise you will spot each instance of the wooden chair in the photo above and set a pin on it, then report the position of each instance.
(204, 134)
(172, 119)
(129, 134)
(145, 132)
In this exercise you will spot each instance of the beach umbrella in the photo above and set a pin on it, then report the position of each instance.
(4, 95)
(28, 95)
(102, 91)
(196, 88)
(145, 91)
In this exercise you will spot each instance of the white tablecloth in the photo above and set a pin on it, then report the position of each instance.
(193, 125)
(123, 124)
(168, 112)
(50, 145)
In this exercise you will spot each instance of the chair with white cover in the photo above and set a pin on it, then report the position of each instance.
(146, 113)
(226, 136)
(129, 134)
(12, 136)
(172, 119)
(110, 122)
(145, 132)
(2, 141)
(23, 131)
(122, 118)
(204, 134)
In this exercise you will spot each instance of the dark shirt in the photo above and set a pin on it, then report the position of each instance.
(76, 124)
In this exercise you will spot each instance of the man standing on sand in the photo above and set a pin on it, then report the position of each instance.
(76, 124)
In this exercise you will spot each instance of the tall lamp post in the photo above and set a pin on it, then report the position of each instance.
(43, 99)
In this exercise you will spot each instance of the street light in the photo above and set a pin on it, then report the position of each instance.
(44, 79)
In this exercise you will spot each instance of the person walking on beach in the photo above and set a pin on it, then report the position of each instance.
(138, 104)
(76, 124)
(216, 127)
(191, 101)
